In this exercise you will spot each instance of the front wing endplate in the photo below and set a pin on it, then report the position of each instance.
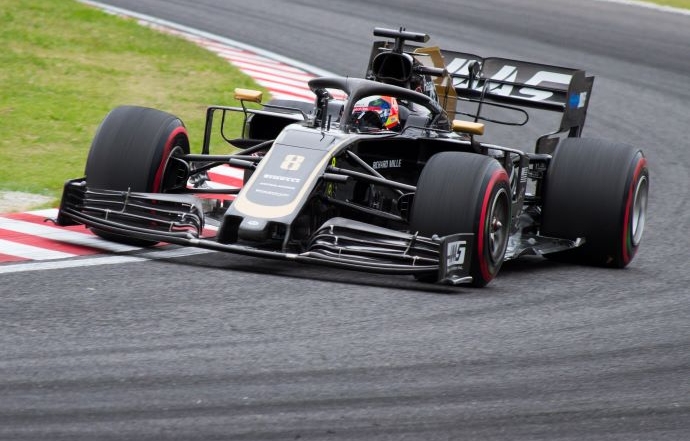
(455, 258)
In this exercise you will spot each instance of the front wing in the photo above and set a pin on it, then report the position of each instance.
(339, 242)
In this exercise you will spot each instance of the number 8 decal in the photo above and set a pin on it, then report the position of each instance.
(292, 162)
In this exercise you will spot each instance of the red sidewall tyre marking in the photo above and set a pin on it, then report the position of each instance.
(629, 249)
(498, 175)
(169, 144)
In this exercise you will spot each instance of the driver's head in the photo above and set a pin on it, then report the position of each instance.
(424, 84)
(384, 107)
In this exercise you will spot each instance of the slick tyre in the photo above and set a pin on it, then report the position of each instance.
(466, 193)
(597, 190)
(131, 151)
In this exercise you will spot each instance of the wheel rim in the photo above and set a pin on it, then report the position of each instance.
(173, 145)
(498, 225)
(639, 210)
(175, 171)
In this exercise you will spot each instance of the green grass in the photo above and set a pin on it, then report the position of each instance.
(64, 65)
(685, 4)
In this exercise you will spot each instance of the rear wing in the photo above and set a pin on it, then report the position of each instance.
(511, 82)
(523, 83)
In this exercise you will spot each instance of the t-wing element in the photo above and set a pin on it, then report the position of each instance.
(400, 36)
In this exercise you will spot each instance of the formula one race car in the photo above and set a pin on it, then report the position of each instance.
(380, 174)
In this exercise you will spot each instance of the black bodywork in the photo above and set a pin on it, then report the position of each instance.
(320, 189)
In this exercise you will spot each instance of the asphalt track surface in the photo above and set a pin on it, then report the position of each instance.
(229, 347)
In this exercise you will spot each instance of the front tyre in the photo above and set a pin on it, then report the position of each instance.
(132, 150)
(598, 190)
(461, 192)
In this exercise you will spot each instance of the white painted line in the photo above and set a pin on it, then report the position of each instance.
(30, 252)
(96, 261)
(72, 263)
(62, 235)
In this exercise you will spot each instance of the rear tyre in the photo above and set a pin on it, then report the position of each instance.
(465, 193)
(598, 190)
(131, 151)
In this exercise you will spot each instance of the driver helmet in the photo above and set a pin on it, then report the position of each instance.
(386, 107)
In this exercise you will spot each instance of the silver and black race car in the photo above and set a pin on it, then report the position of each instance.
(382, 174)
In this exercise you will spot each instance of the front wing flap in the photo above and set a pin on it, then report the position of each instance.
(148, 216)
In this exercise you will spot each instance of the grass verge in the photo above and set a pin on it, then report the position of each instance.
(683, 4)
(64, 65)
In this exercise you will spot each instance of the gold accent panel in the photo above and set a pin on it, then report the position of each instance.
(447, 96)
(468, 127)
